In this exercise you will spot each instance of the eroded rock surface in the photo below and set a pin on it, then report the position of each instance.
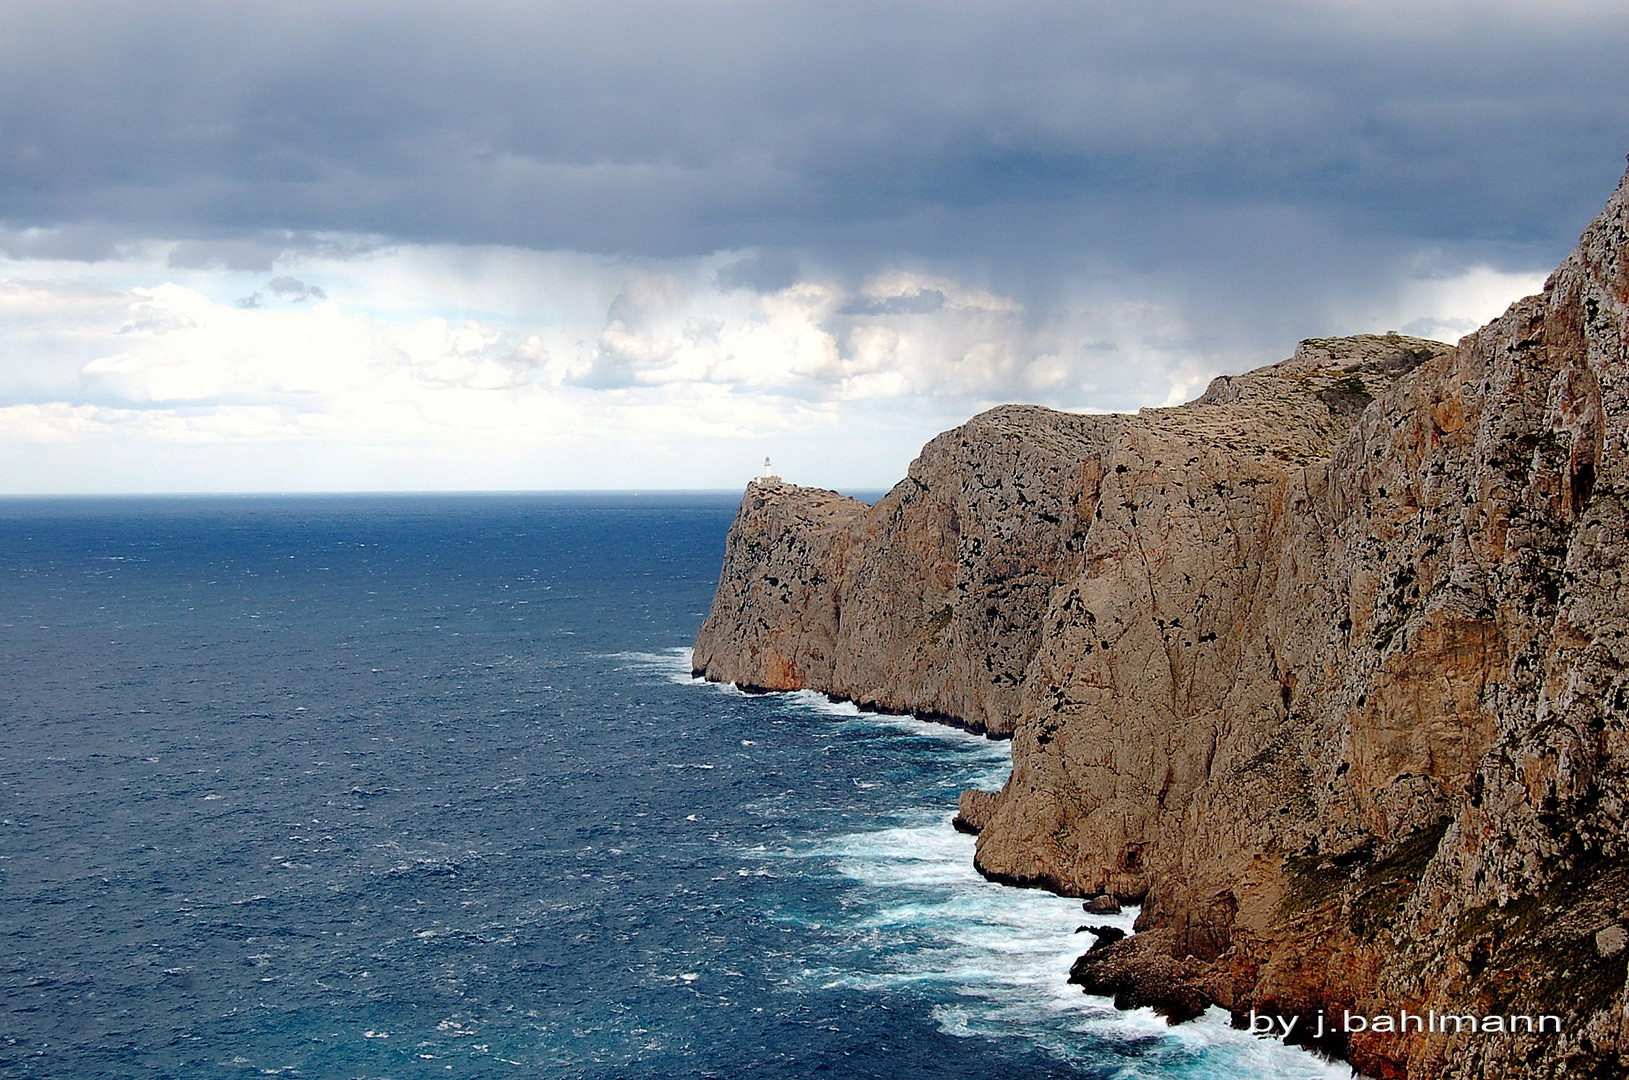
(1326, 668)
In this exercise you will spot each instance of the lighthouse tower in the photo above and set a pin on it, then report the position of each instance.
(769, 472)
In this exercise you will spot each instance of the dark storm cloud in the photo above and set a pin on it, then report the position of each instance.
(763, 272)
(292, 288)
(260, 249)
(77, 243)
(1030, 144)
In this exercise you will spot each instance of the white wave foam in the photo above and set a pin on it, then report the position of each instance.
(672, 663)
(996, 961)
(931, 729)
(993, 961)
(677, 664)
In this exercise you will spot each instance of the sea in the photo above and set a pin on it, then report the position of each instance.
(421, 786)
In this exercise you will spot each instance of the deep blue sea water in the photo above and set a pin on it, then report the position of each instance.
(421, 787)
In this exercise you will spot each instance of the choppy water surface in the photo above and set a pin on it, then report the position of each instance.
(412, 787)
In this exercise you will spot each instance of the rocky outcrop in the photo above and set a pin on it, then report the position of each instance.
(933, 600)
(1326, 668)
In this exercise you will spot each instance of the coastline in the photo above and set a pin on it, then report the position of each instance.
(1324, 668)
(972, 727)
(1039, 998)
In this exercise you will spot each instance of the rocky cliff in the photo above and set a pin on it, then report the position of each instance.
(1326, 668)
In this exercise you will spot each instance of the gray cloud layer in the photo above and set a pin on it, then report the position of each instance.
(1261, 150)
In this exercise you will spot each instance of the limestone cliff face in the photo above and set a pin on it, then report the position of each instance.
(1327, 668)
(930, 601)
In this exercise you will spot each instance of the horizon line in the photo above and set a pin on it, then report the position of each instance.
(379, 492)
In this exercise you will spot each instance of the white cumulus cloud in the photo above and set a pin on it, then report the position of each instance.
(451, 367)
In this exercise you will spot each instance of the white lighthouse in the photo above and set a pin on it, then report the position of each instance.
(769, 472)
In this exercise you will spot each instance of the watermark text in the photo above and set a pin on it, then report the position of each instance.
(1322, 1025)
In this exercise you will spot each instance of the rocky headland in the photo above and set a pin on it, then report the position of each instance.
(1326, 669)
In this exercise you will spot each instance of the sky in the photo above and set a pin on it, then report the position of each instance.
(492, 245)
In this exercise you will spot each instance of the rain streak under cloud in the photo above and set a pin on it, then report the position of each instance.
(360, 246)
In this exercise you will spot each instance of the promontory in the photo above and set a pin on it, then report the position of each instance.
(1328, 669)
